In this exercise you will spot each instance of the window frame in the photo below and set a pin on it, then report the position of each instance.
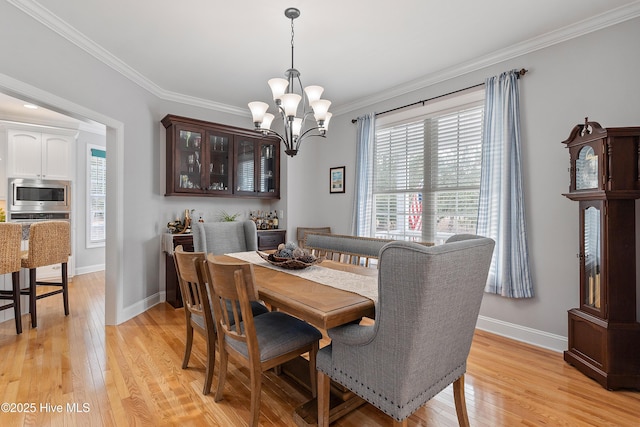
(459, 102)
(89, 242)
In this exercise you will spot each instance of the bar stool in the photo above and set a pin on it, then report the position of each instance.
(49, 244)
(10, 239)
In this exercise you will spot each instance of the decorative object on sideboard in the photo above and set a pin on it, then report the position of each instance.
(227, 217)
(265, 220)
(287, 105)
(181, 226)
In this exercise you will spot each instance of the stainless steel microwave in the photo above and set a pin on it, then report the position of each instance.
(38, 195)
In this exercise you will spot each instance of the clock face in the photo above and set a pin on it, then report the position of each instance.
(586, 169)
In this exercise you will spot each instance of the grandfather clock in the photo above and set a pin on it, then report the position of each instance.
(604, 333)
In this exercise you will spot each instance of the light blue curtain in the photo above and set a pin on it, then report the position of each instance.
(363, 200)
(501, 213)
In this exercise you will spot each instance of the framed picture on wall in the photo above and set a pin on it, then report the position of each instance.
(336, 180)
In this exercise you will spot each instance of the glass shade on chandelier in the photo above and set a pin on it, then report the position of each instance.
(294, 105)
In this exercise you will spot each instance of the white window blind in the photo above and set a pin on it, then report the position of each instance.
(96, 196)
(427, 176)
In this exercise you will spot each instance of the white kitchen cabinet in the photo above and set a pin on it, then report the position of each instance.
(39, 155)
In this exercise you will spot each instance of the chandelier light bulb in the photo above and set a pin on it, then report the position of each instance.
(266, 121)
(325, 123)
(320, 108)
(278, 87)
(313, 93)
(290, 103)
(258, 110)
(296, 127)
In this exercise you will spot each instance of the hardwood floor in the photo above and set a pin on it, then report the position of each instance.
(130, 375)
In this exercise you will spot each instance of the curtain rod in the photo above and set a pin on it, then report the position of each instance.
(522, 72)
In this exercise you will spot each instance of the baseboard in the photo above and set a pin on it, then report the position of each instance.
(522, 333)
(140, 307)
(90, 269)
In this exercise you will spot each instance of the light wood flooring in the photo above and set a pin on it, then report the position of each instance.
(130, 375)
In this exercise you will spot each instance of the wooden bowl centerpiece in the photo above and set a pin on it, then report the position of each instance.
(292, 257)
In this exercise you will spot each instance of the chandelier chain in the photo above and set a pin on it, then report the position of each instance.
(292, 34)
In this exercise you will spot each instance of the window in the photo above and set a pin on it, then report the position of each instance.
(96, 196)
(426, 176)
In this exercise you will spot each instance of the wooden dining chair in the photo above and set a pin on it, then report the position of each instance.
(49, 244)
(261, 342)
(428, 304)
(10, 239)
(197, 309)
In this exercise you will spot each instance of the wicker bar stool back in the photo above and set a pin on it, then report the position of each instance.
(10, 239)
(49, 244)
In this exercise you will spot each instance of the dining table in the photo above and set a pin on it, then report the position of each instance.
(325, 295)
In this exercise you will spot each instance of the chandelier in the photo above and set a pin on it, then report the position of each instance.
(294, 114)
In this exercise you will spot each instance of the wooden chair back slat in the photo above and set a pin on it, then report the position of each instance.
(194, 291)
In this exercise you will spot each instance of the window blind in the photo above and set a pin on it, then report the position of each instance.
(426, 176)
(97, 197)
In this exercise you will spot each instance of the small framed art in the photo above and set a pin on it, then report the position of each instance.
(336, 180)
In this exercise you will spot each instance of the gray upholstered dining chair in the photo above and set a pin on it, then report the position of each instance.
(301, 233)
(428, 304)
(224, 237)
(258, 343)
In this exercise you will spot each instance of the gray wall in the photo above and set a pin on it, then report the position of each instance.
(593, 75)
(589, 76)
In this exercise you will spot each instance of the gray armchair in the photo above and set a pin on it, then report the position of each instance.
(224, 237)
(428, 304)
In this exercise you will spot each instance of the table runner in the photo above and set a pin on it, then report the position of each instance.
(367, 286)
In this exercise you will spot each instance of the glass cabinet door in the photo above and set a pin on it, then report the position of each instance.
(219, 165)
(590, 258)
(189, 160)
(245, 165)
(267, 173)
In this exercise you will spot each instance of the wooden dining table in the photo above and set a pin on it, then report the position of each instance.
(321, 305)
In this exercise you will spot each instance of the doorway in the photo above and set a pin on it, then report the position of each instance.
(114, 137)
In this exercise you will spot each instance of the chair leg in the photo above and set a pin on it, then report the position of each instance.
(32, 297)
(461, 404)
(312, 370)
(324, 387)
(256, 389)
(17, 312)
(211, 361)
(188, 345)
(65, 289)
(222, 374)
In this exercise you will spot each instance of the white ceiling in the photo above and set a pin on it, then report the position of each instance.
(221, 53)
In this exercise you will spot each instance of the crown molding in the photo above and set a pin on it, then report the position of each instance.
(609, 18)
(598, 22)
(54, 23)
